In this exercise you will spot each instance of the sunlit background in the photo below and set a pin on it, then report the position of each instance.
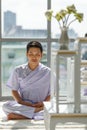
(24, 20)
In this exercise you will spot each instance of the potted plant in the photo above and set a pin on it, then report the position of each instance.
(64, 20)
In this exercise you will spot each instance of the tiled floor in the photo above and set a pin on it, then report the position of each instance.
(34, 125)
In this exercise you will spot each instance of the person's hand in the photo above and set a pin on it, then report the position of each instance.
(39, 104)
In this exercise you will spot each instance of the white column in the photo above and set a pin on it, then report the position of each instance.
(52, 81)
(57, 83)
(70, 79)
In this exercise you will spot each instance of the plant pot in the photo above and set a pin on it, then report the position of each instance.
(64, 39)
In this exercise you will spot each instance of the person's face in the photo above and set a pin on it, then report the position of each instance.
(34, 56)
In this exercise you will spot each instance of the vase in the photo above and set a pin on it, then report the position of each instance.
(64, 39)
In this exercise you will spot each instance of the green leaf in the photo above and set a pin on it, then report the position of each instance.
(48, 14)
(71, 9)
(60, 15)
(79, 16)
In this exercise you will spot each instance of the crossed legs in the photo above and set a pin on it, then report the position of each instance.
(13, 116)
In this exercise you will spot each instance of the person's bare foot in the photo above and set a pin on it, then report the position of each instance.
(13, 116)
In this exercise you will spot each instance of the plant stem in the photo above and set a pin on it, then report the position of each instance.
(71, 22)
(67, 19)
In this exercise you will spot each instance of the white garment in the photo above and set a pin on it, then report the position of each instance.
(33, 86)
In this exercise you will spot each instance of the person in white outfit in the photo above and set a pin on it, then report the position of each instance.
(30, 86)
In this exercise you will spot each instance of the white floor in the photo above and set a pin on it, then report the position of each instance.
(34, 125)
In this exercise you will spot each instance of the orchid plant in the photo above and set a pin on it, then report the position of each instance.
(63, 16)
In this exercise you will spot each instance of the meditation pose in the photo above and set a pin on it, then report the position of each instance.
(30, 86)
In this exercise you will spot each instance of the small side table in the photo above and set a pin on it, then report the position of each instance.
(51, 118)
(76, 77)
(57, 112)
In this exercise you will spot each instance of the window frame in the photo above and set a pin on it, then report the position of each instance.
(48, 40)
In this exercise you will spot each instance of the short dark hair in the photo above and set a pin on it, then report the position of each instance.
(34, 44)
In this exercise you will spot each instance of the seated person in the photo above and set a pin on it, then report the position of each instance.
(30, 86)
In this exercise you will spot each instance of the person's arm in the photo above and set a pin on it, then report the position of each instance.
(47, 98)
(17, 97)
(40, 104)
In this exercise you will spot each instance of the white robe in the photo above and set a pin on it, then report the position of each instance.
(33, 86)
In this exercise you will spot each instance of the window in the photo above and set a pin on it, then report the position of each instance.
(22, 21)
